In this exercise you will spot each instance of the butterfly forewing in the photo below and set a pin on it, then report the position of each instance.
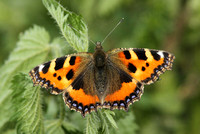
(144, 65)
(59, 73)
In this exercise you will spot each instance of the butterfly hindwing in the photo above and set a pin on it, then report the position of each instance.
(128, 93)
(80, 101)
(81, 95)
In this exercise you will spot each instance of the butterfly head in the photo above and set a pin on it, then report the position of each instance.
(98, 46)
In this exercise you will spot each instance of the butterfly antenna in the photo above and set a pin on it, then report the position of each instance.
(112, 30)
(92, 41)
(81, 33)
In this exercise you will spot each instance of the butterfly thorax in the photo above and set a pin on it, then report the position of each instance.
(99, 56)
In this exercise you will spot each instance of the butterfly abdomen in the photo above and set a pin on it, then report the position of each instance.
(100, 79)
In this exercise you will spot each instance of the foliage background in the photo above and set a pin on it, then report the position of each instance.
(171, 105)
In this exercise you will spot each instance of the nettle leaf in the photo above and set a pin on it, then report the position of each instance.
(105, 122)
(28, 108)
(109, 114)
(93, 124)
(71, 25)
(100, 122)
(53, 127)
(32, 49)
(126, 125)
(58, 127)
(70, 127)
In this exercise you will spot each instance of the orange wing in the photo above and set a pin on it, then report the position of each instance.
(57, 74)
(64, 75)
(136, 67)
(144, 65)
(128, 93)
(80, 101)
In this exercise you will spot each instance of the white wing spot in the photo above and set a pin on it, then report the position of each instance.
(161, 54)
(41, 67)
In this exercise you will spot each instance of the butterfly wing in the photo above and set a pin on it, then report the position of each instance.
(136, 67)
(144, 65)
(81, 95)
(65, 75)
(59, 73)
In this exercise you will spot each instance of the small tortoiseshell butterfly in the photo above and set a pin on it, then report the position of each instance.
(113, 79)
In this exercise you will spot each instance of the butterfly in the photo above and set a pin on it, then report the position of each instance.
(113, 79)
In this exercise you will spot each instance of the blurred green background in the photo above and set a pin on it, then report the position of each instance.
(169, 106)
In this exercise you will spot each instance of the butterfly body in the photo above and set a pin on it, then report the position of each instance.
(99, 70)
(113, 79)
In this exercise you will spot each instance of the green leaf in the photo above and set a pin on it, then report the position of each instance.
(104, 123)
(70, 126)
(58, 127)
(27, 105)
(100, 122)
(71, 25)
(31, 50)
(109, 114)
(53, 127)
(106, 120)
(92, 125)
(126, 125)
(10, 131)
